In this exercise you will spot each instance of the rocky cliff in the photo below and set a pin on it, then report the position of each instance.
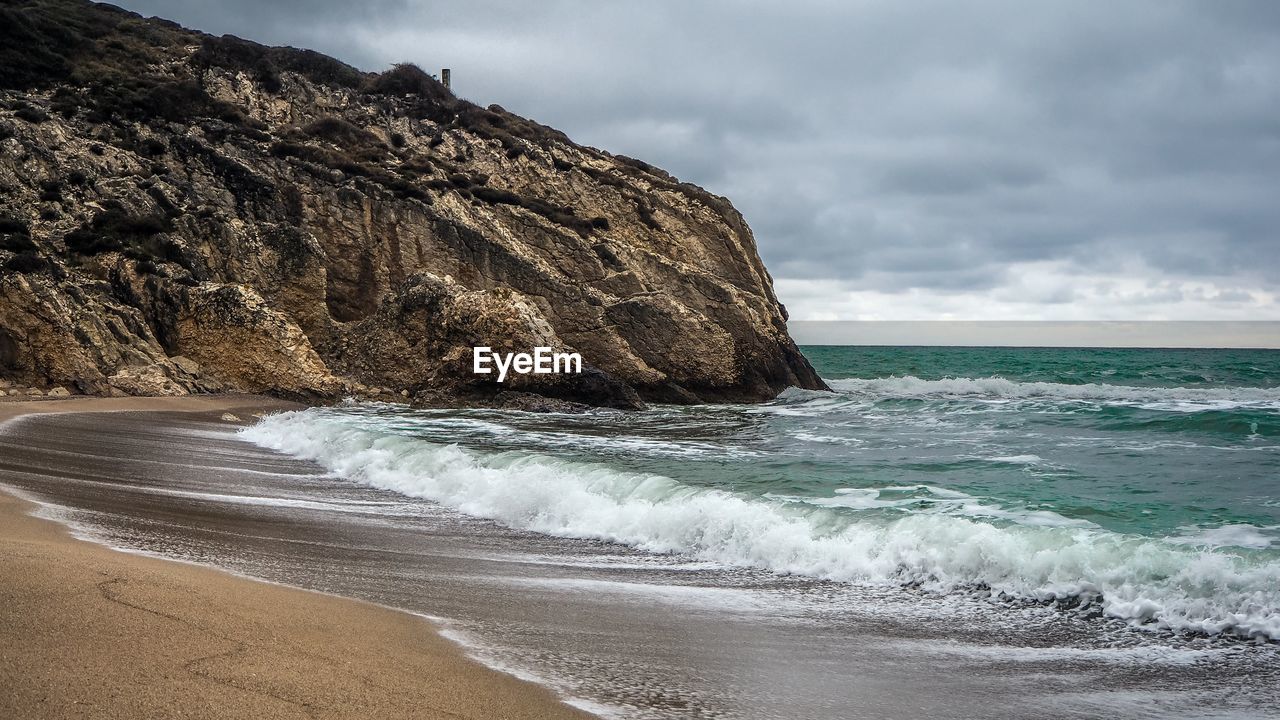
(181, 213)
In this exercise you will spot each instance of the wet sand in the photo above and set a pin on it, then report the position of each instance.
(88, 632)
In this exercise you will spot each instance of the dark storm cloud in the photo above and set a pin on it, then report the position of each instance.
(887, 145)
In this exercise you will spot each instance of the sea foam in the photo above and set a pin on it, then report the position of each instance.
(1170, 399)
(1149, 582)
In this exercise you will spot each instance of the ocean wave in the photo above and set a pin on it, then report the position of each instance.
(1149, 582)
(932, 500)
(1017, 459)
(437, 426)
(826, 439)
(1173, 399)
(1238, 535)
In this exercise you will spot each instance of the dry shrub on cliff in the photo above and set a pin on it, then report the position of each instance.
(489, 123)
(561, 215)
(15, 235)
(405, 188)
(50, 190)
(323, 156)
(47, 42)
(407, 79)
(315, 157)
(341, 132)
(148, 97)
(233, 53)
(115, 230)
(511, 130)
(630, 162)
(496, 196)
(335, 143)
(604, 177)
(151, 147)
(27, 263)
(34, 44)
(558, 214)
(418, 166)
(264, 64)
(30, 114)
(65, 102)
(116, 55)
(317, 67)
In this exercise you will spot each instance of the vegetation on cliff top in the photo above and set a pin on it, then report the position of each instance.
(115, 68)
(132, 68)
(106, 66)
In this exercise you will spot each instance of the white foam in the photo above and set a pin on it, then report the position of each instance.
(998, 389)
(826, 439)
(1145, 581)
(1136, 655)
(927, 499)
(1018, 459)
(610, 562)
(1240, 535)
(437, 425)
(372, 507)
(496, 658)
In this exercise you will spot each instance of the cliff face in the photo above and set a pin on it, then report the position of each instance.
(181, 213)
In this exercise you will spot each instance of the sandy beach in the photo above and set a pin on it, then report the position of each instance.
(88, 632)
(370, 502)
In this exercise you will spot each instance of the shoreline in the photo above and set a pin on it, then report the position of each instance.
(90, 631)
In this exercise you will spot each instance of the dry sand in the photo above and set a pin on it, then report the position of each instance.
(88, 632)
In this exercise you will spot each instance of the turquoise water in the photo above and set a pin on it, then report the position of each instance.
(1144, 484)
(1140, 367)
(1150, 441)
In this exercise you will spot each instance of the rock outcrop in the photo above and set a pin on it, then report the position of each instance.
(182, 213)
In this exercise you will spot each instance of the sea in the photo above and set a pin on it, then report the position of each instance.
(950, 531)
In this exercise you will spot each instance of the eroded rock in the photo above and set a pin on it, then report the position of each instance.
(251, 348)
(146, 380)
(282, 230)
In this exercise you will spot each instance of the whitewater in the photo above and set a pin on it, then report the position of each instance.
(1154, 504)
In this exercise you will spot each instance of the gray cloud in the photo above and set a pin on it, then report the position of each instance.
(924, 146)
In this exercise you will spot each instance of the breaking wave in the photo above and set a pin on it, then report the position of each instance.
(1176, 399)
(1149, 582)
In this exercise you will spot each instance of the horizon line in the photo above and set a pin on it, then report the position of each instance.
(1082, 334)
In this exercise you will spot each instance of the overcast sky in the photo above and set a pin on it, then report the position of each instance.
(897, 160)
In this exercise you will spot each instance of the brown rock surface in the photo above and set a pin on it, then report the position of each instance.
(286, 224)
